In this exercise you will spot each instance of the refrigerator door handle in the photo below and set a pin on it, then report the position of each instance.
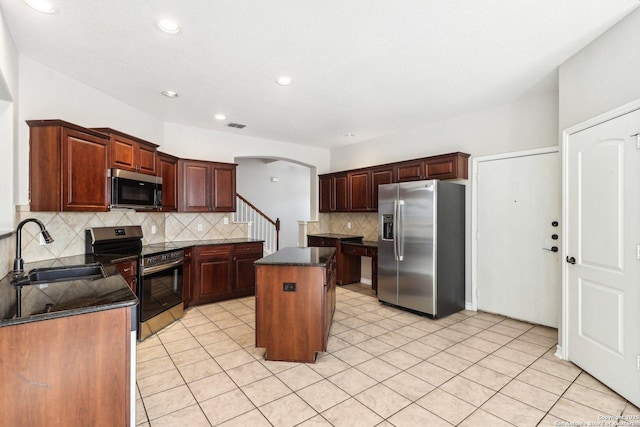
(394, 236)
(400, 231)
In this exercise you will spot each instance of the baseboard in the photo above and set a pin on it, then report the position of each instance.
(559, 353)
(468, 306)
(365, 281)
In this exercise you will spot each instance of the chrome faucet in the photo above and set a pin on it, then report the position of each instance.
(18, 263)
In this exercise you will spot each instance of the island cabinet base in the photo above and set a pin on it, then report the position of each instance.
(294, 309)
(69, 371)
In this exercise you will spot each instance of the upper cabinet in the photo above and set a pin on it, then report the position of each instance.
(357, 190)
(168, 171)
(334, 193)
(206, 186)
(67, 167)
(131, 153)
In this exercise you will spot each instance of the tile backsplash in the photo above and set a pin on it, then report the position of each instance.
(68, 230)
(362, 224)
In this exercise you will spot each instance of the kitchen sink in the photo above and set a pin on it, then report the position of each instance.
(61, 274)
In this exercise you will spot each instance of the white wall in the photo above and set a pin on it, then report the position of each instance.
(8, 140)
(287, 199)
(47, 94)
(528, 123)
(206, 144)
(602, 76)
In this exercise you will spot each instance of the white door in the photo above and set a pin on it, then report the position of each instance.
(602, 208)
(518, 214)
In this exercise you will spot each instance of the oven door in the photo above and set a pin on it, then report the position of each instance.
(160, 296)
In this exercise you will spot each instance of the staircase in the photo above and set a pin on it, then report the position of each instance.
(261, 227)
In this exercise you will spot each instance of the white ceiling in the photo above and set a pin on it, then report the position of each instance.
(370, 67)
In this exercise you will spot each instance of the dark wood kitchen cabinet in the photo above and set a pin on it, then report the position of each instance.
(379, 176)
(168, 171)
(67, 371)
(187, 277)
(129, 272)
(68, 167)
(222, 272)
(131, 153)
(356, 190)
(348, 267)
(206, 186)
(213, 273)
(334, 193)
(245, 254)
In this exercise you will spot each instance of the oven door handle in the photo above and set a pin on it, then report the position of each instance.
(161, 267)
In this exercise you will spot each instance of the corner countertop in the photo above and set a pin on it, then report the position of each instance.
(67, 298)
(308, 257)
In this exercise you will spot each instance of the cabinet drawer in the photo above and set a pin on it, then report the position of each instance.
(250, 248)
(127, 269)
(354, 250)
(321, 242)
(214, 251)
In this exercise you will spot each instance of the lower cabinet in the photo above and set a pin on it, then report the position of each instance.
(222, 272)
(69, 371)
(128, 270)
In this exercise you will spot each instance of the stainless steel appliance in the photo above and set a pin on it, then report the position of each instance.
(421, 253)
(135, 190)
(159, 277)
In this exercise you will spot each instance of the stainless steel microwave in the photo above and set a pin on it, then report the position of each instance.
(135, 190)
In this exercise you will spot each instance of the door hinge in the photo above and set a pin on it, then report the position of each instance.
(637, 251)
(638, 362)
(637, 135)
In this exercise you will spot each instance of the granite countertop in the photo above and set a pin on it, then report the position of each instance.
(368, 243)
(309, 257)
(336, 236)
(66, 298)
(81, 296)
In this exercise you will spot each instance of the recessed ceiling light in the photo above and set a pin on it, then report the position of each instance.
(219, 117)
(170, 93)
(349, 135)
(168, 26)
(41, 5)
(284, 81)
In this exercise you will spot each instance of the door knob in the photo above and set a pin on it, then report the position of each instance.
(553, 249)
(571, 260)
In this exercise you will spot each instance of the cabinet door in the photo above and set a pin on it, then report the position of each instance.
(379, 177)
(187, 282)
(214, 274)
(341, 185)
(410, 171)
(123, 153)
(195, 186)
(85, 160)
(245, 274)
(168, 171)
(224, 187)
(327, 196)
(359, 191)
(146, 159)
(447, 166)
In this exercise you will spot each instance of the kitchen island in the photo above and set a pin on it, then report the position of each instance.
(66, 359)
(295, 302)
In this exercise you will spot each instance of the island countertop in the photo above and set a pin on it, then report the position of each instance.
(312, 256)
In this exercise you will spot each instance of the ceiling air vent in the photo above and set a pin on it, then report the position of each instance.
(236, 125)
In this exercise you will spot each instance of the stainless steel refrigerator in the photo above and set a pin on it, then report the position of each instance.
(421, 239)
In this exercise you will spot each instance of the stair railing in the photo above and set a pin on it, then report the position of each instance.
(262, 227)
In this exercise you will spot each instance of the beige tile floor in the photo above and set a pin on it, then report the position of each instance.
(384, 367)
